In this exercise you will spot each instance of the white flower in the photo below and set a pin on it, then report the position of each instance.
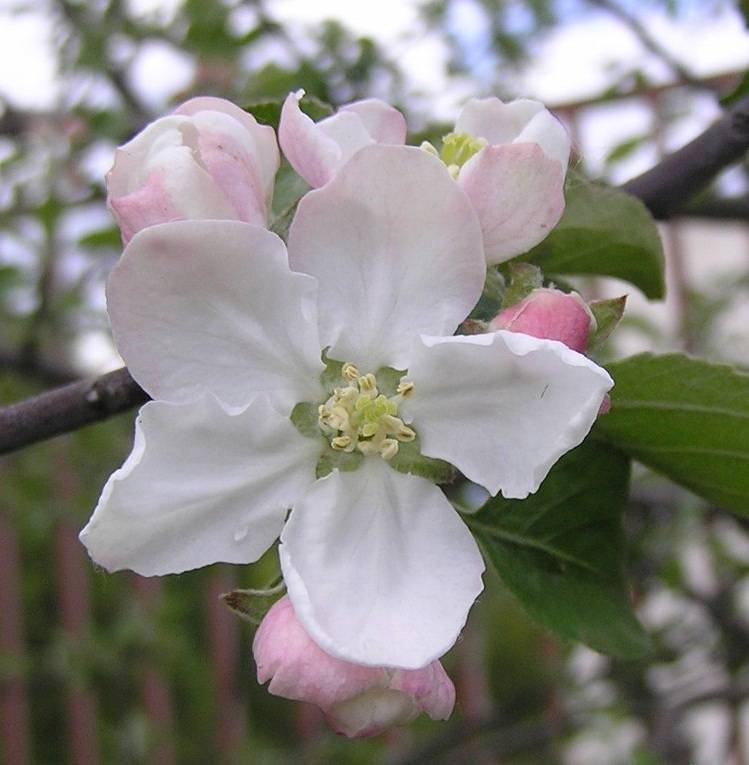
(387, 260)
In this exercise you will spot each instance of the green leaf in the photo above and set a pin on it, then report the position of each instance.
(685, 418)
(741, 90)
(560, 550)
(604, 232)
(253, 605)
(108, 238)
(269, 112)
(491, 298)
(608, 314)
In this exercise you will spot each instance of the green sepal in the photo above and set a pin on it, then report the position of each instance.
(410, 460)
(253, 605)
(524, 278)
(608, 314)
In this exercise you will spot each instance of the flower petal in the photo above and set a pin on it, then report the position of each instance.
(517, 192)
(396, 248)
(312, 153)
(549, 133)
(201, 485)
(502, 407)
(379, 567)
(258, 140)
(212, 306)
(494, 120)
(384, 123)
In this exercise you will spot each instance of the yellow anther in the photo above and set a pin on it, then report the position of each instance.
(405, 388)
(389, 449)
(427, 147)
(349, 372)
(341, 443)
(368, 384)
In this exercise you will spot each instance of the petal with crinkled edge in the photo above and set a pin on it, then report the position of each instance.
(200, 306)
(380, 569)
(518, 194)
(201, 485)
(396, 248)
(502, 407)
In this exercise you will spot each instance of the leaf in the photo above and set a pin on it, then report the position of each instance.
(608, 314)
(108, 238)
(491, 298)
(604, 232)
(269, 112)
(253, 605)
(686, 418)
(560, 550)
(741, 90)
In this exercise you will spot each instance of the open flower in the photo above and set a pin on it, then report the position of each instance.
(510, 159)
(357, 701)
(317, 150)
(209, 159)
(387, 260)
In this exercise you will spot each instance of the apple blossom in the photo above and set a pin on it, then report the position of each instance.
(225, 328)
(318, 150)
(510, 159)
(552, 314)
(357, 701)
(208, 159)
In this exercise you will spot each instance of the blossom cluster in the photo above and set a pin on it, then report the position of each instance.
(234, 332)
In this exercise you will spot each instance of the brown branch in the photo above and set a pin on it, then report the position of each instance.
(672, 183)
(68, 408)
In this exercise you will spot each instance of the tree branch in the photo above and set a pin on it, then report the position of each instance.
(68, 408)
(674, 181)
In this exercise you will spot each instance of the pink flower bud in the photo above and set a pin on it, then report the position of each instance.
(316, 150)
(549, 314)
(357, 701)
(207, 160)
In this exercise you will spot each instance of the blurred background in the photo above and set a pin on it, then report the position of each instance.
(116, 669)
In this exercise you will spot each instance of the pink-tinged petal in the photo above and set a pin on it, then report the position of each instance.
(380, 569)
(201, 485)
(497, 122)
(384, 123)
(258, 140)
(396, 249)
(358, 701)
(299, 669)
(518, 194)
(147, 206)
(550, 314)
(212, 306)
(502, 407)
(312, 153)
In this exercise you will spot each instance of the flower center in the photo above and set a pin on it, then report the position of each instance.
(457, 149)
(358, 416)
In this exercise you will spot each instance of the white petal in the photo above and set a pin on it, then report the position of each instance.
(396, 248)
(549, 133)
(518, 194)
(212, 306)
(495, 121)
(201, 485)
(348, 131)
(502, 407)
(380, 568)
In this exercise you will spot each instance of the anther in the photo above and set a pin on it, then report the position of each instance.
(340, 443)
(349, 372)
(389, 449)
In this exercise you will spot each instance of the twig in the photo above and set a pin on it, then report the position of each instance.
(68, 408)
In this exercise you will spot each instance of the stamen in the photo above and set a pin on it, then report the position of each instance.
(358, 416)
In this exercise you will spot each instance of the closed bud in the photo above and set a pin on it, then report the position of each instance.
(549, 314)
(357, 701)
(207, 160)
